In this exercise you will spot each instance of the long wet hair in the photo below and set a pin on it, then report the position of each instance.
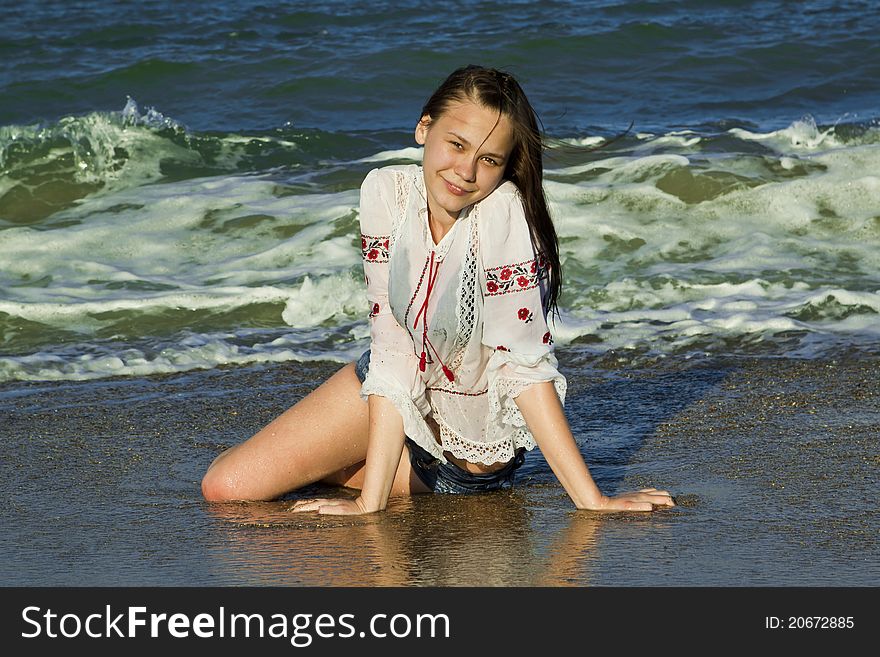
(499, 91)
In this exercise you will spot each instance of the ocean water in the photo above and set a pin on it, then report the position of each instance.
(178, 182)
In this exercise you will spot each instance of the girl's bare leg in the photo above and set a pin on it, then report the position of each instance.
(322, 438)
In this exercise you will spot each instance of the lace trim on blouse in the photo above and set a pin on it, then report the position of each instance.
(467, 295)
(402, 185)
(506, 419)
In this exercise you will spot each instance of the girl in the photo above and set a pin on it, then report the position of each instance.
(462, 268)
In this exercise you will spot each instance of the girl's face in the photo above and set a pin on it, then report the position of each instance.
(466, 152)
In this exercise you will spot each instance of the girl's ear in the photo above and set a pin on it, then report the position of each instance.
(422, 129)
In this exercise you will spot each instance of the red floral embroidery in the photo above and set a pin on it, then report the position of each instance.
(375, 310)
(501, 347)
(525, 315)
(513, 278)
(375, 248)
(548, 339)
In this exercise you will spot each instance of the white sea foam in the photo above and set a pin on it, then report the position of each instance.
(204, 352)
(411, 153)
(180, 234)
(111, 149)
(626, 168)
(594, 140)
(677, 139)
(776, 244)
(802, 135)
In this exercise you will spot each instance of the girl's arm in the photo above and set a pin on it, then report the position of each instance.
(543, 413)
(393, 364)
(384, 448)
(522, 373)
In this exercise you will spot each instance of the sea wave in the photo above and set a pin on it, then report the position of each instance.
(716, 238)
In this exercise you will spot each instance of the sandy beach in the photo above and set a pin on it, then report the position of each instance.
(773, 463)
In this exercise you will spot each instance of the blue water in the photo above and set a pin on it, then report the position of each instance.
(178, 180)
(349, 66)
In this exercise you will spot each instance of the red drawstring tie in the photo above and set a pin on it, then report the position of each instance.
(432, 278)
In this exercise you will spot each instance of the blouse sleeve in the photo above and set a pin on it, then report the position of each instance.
(393, 371)
(513, 280)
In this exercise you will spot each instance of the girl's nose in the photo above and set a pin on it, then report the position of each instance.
(466, 169)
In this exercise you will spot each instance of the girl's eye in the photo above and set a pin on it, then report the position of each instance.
(456, 145)
(489, 160)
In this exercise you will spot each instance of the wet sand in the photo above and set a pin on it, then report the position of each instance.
(774, 464)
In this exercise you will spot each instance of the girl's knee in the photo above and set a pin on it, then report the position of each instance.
(215, 487)
(219, 484)
(231, 478)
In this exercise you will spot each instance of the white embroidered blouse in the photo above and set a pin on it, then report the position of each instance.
(458, 329)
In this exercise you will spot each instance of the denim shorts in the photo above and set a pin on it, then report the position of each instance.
(447, 477)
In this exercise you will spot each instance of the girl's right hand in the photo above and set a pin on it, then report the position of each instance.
(333, 507)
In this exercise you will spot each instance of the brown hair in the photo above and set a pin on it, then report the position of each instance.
(501, 92)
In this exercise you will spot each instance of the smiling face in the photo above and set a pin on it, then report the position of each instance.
(466, 151)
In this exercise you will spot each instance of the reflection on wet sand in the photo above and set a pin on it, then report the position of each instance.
(500, 539)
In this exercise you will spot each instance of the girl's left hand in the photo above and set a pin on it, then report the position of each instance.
(644, 499)
(332, 507)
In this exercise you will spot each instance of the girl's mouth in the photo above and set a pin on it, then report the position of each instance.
(453, 189)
